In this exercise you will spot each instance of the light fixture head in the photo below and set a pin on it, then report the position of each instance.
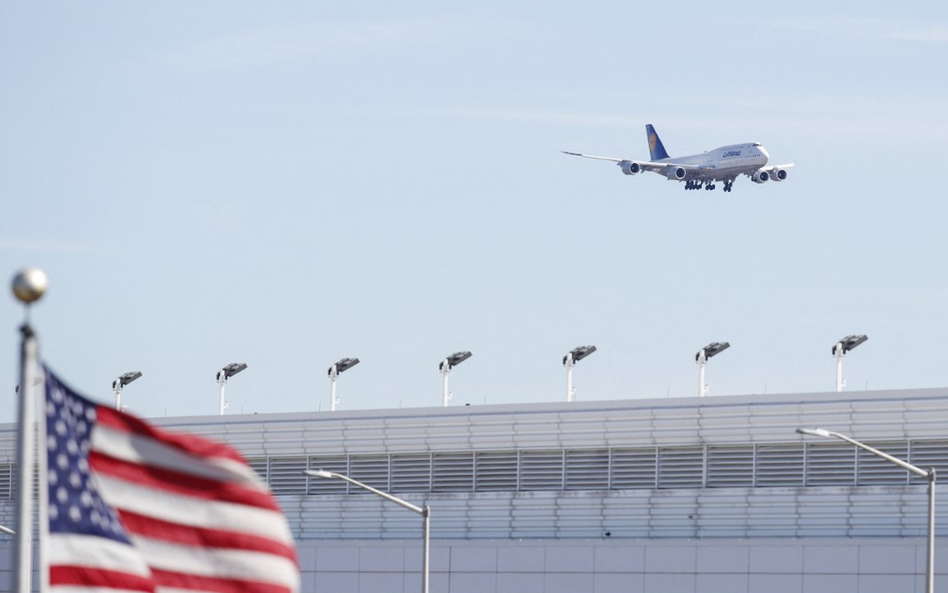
(231, 370)
(318, 473)
(343, 365)
(814, 432)
(125, 379)
(848, 343)
(712, 349)
(578, 353)
(454, 360)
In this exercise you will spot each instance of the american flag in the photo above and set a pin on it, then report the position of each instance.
(136, 508)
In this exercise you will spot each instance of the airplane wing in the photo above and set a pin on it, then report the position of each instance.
(589, 156)
(772, 167)
(644, 165)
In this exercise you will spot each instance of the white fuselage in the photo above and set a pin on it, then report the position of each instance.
(726, 162)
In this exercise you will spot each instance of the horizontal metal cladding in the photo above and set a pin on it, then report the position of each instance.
(817, 463)
(879, 416)
(876, 511)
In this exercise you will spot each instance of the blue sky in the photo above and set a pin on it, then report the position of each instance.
(289, 184)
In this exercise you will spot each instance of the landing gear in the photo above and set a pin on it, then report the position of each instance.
(698, 185)
(728, 184)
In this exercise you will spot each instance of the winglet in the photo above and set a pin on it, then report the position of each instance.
(656, 149)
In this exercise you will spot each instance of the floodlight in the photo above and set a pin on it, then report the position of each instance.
(848, 343)
(840, 349)
(712, 349)
(230, 370)
(120, 384)
(445, 367)
(343, 365)
(125, 379)
(454, 360)
(223, 375)
(579, 353)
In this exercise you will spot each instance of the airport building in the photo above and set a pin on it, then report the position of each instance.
(685, 495)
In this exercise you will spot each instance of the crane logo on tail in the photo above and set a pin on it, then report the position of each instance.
(652, 139)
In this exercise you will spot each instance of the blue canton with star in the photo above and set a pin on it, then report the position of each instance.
(75, 505)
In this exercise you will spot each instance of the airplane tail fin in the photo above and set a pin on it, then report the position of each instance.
(656, 149)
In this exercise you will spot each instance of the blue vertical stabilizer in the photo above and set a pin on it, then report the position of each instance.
(656, 149)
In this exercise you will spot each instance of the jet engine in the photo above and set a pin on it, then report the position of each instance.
(630, 168)
(761, 176)
(675, 173)
(778, 174)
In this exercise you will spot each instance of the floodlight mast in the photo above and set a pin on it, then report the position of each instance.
(343, 365)
(569, 361)
(222, 376)
(120, 383)
(445, 367)
(839, 353)
(712, 349)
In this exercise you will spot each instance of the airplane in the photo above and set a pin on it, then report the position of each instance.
(702, 170)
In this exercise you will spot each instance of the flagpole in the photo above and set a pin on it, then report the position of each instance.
(28, 286)
(42, 453)
(23, 556)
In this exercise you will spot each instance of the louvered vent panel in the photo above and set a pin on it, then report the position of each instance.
(6, 480)
(779, 466)
(830, 465)
(286, 475)
(731, 467)
(587, 469)
(680, 467)
(369, 469)
(335, 463)
(411, 473)
(633, 469)
(496, 472)
(259, 465)
(453, 472)
(872, 470)
(541, 470)
(927, 455)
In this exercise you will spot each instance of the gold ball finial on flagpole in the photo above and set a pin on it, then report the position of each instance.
(29, 284)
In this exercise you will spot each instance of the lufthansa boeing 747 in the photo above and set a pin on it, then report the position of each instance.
(722, 164)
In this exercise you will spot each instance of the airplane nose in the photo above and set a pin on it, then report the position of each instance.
(764, 152)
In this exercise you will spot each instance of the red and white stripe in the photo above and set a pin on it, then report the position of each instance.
(198, 514)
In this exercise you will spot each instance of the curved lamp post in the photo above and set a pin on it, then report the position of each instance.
(928, 475)
(424, 511)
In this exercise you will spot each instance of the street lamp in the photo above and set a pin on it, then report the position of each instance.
(840, 349)
(343, 365)
(572, 357)
(928, 475)
(445, 367)
(120, 383)
(223, 375)
(424, 511)
(712, 349)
